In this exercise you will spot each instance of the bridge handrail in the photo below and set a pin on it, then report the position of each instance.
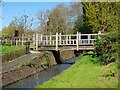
(58, 39)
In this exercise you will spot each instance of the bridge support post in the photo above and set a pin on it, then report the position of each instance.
(56, 41)
(77, 41)
(57, 56)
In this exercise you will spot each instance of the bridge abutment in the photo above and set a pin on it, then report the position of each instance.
(57, 56)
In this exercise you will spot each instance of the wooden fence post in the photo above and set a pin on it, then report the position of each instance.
(19, 40)
(56, 41)
(28, 37)
(36, 41)
(60, 38)
(16, 41)
(22, 39)
(77, 40)
(11, 41)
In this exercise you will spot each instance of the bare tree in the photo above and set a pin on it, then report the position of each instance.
(42, 20)
(23, 23)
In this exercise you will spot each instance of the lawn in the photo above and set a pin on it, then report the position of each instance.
(85, 74)
(9, 49)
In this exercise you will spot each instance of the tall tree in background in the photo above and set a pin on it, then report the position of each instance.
(100, 16)
(80, 24)
(97, 16)
(9, 31)
(57, 20)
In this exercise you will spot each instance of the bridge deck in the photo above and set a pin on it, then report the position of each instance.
(70, 47)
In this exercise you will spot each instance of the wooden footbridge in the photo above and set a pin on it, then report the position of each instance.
(58, 41)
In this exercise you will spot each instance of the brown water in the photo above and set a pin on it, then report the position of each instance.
(41, 77)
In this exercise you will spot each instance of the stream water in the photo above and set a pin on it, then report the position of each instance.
(41, 77)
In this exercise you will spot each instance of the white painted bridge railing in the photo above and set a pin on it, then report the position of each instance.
(57, 40)
(60, 40)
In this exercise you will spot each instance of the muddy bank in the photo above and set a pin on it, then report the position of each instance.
(43, 61)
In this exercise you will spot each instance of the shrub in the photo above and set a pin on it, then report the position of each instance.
(106, 48)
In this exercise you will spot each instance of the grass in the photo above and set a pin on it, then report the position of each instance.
(9, 49)
(85, 74)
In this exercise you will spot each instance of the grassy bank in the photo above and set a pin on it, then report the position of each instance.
(85, 74)
(9, 49)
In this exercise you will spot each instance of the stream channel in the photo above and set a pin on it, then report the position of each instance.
(41, 77)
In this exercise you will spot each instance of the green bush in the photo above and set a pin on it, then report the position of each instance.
(106, 47)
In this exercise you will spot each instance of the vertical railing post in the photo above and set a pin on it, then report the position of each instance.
(77, 40)
(22, 39)
(36, 41)
(89, 38)
(46, 40)
(50, 38)
(19, 40)
(66, 39)
(16, 41)
(99, 32)
(79, 37)
(56, 41)
(60, 38)
(69, 39)
(28, 37)
(10, 40)
(41, 39)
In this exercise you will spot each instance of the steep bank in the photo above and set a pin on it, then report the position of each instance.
(43, 61)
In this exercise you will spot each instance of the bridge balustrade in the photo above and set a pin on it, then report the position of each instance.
(38, 40)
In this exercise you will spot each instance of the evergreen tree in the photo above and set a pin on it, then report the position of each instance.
(100, 16)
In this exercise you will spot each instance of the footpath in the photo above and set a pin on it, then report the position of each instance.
(22, 59)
